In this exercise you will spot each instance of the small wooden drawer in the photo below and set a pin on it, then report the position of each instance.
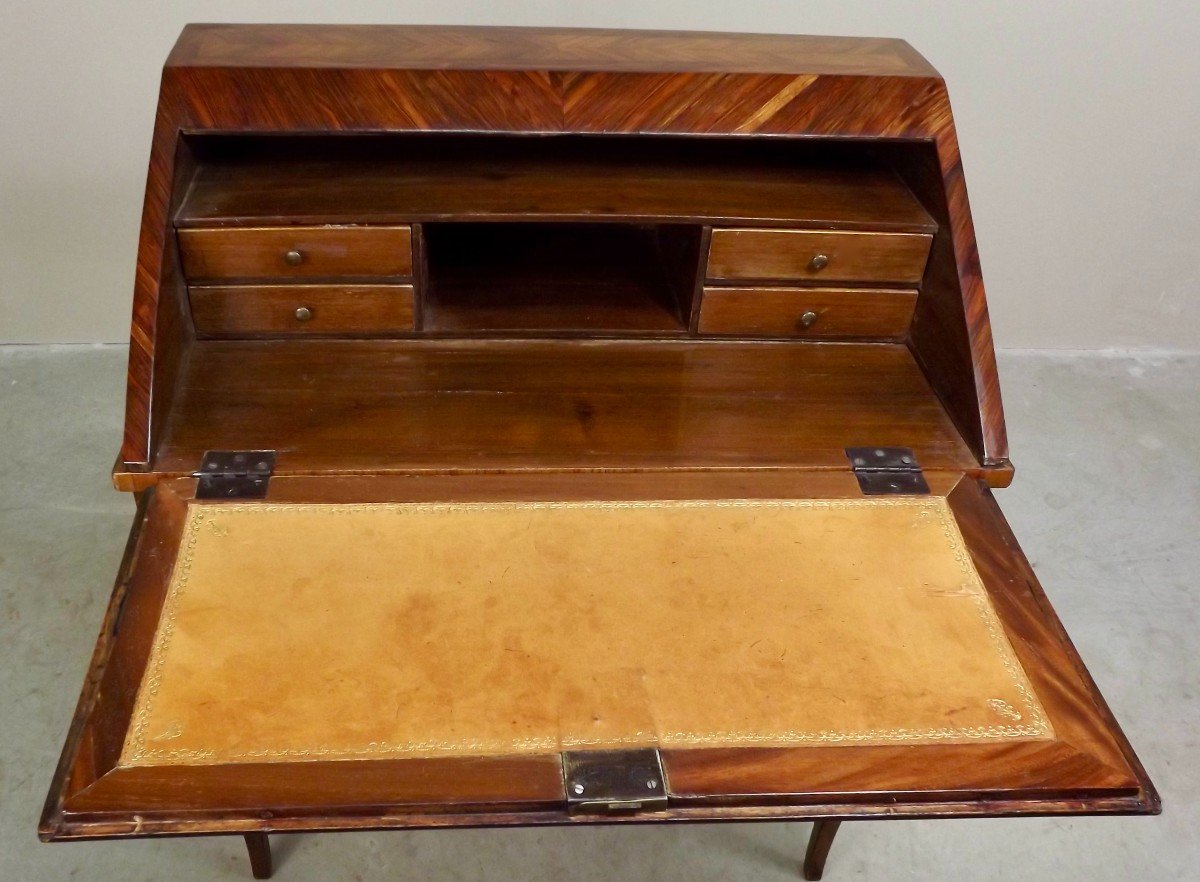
(247, 310)
(295, 252)
(819, 313)
(737, 254)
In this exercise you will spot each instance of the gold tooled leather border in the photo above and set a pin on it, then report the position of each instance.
(1028, 723)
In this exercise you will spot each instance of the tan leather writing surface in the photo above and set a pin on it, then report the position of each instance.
(336, 631)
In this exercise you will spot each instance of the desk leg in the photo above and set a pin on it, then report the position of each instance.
(259, 847)
(819, 842)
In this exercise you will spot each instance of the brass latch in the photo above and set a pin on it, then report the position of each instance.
(614, 781)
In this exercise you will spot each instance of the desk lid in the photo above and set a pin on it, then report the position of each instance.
(354, 651)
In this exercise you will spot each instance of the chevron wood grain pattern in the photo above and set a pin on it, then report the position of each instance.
(395, 79)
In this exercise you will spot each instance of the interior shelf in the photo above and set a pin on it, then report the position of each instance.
(385, 179)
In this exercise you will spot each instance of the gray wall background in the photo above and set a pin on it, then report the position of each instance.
(1079, 124)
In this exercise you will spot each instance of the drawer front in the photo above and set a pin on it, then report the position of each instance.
(812, 254)
(818, 313)
(243, 310)
(295, 252)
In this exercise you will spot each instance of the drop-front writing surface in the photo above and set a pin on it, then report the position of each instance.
(502, 628)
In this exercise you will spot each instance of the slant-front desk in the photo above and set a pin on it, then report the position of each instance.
(566, 427)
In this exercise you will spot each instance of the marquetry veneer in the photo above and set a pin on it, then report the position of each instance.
(565, 427)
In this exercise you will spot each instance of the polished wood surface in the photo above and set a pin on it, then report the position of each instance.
(154, 366)
(250, 310)
(282, 79)
(817, 255)
(1088, 766)
(937, 337)
(259, 848)
(390, 180)
(819, 843)
(263, 252)
(556, 405)
(811, 313)
(563, 49)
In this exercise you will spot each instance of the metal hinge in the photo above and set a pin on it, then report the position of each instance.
(234, 474)
(614, 781)
(883, 471)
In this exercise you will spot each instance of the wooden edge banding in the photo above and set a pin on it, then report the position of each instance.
(129, 481)
(506, 48)
(519, 783)
(104, 712)
(123, 825)
(79, 752)
(1097, 729)
(979, 327)
(143, 335)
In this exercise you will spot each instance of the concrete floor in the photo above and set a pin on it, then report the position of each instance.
(1106, 502)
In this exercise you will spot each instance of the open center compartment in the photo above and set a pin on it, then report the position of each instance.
(554, 278)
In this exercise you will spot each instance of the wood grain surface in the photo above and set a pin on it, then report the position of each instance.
(303, 79)
(737, 254)
(329, 310)
(383, 179)
(507, 48)
(261, 252)
(558, 405)
(812, 313)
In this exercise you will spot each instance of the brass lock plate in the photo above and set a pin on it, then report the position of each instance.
(614, 781)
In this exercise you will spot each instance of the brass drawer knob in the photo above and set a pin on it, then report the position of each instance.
(293, 257)
(808, 319)
(819, 262)
(303, 314)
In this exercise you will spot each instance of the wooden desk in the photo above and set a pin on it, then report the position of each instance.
(565, 427)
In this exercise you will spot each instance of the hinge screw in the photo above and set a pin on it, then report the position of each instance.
(651, 784)
(578, 788)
